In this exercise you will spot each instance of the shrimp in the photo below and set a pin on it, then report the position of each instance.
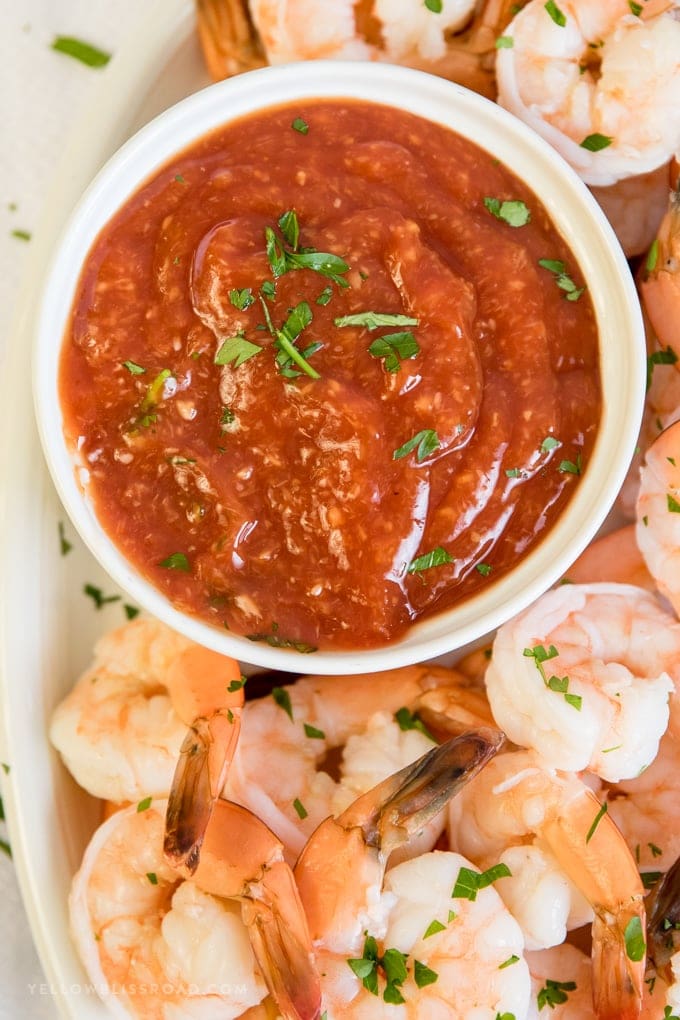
(575, 71)
(160, 947)
(440, 956)
(658, 513)
(516, 803)
(329, 739)
(613, 557)
(660, 286)
(120, 729)
(583, 677)
(561, 984)
(635, 207)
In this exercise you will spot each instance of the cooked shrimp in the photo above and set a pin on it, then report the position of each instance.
(515, 802)
(575, 75)
(658, 513)
(635, 207)
(409, 916)
(583, 677)
(159, 947)
(307, 726)
(613, 557)
(119, 731)
(561, 984)
(660, 286)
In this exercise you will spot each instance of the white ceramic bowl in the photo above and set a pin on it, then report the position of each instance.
(575, 214)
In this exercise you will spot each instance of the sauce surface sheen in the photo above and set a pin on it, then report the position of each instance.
(270, 500)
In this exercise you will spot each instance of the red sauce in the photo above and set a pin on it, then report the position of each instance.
(273, 503)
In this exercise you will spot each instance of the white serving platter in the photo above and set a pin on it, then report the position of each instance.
(47, 623)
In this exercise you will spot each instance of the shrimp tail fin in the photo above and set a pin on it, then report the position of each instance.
(663, 925)
(204, 759)
(405, 802)
(619, 966)
(280, 939)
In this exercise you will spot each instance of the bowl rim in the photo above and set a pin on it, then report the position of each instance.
(573, 211)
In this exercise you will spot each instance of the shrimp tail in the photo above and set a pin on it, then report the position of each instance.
(280, 939)
(404, 803)
(204, 759)
(663, 925)
(617, 993)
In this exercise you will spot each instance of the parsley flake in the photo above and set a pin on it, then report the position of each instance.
(236, 349)
(436, 6)
(21, 235)
(98, 596)
(426, 441)
(301, 810)
(634, 939)
(87, 54)
(64, 545)
(394, 348)
(505, 42)
(290, 228)
(130, 611)
(650, 878)
(509, 962)
(423, 975)
(665, 357)
(554, 683)
(153, 877)
(237, 685)
(133, 368)
(635, 9)
(596, 142)
(483, 568)
(436, 558)
(282, 699)
(562, 278)
(549, 443)
(313, 733)
(554, 993)
(555, 13)
(300, 126)
(571, 467)
(652, 256)
(325, 295)
(144, 805)
(596, 821)
(373, 320)
(241, 299)
(515, 213)
(408, 720)
(469, 882)
(672, 504)
(176, 561)
(433, 928)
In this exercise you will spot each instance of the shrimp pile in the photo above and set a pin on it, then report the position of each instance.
(499, 840)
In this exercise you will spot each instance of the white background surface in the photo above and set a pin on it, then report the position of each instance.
(42, 95)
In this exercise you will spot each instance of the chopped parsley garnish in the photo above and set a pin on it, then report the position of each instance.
(98, 596)
(435, 6)
(555, 993)
(227, 417)
(276, 641)
(554, 683)
(509, 962)
(505, 1016)
(469, 882)
(298, 319)
(313, 733)
(514, 473)
(436, 558)
(650, 878)
(373, 320)
(176, 561)
(484, 569)
(300, 125)
(634, 939)
(555, 13)
(394, 348)
(64, 545)
(133, 368)
(290, 228)
(426, 441)
(236, 349)
(652, 256)
(433, 928)
(85, 52)
(154, 391)
(325, 295)
(596, 821)
(242, 299)
(549, 443)
(282, 699)
(423, 975)
(596, 142)
(153, 877)
(665, 357)
(268, 289)
(237, 685)
(130, 611)
(505, 42)
(5, 847)
(180, 179)
(283, 261)
(408, 720)
(571, 467)
(515, 213)
(655, 850)
(562, 278)
(301, 810)
(21, 235)
(144, 805)
(672, 504)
